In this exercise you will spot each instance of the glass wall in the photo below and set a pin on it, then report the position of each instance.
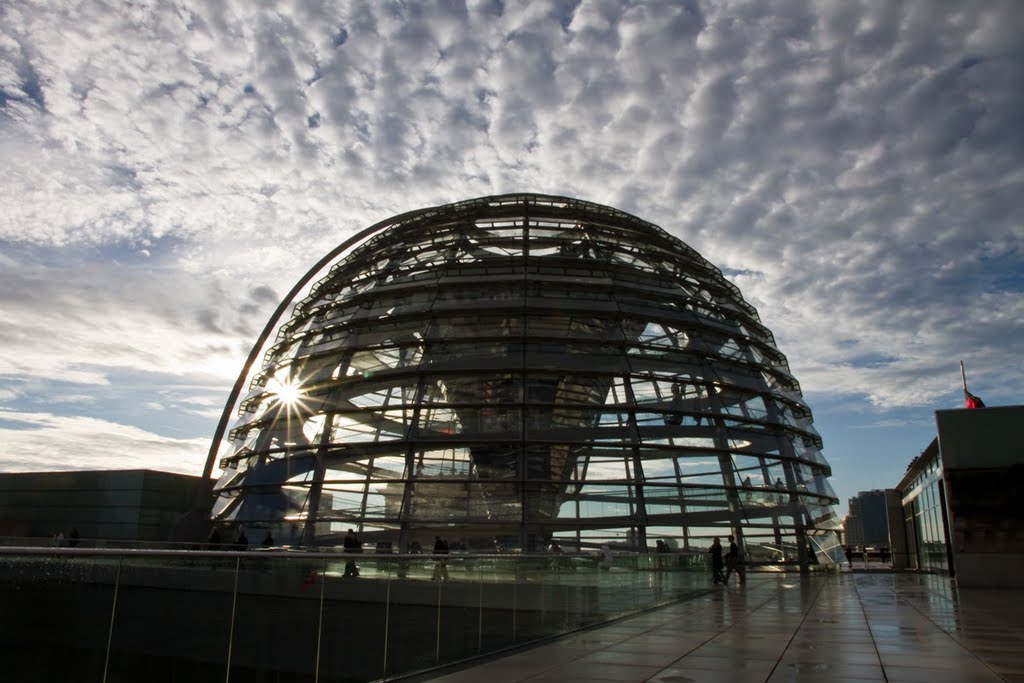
(924, 518)
(103, 615)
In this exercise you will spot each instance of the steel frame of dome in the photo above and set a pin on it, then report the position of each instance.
(515, 370)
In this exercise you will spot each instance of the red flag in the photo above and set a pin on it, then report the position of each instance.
(970, 400)
(973, 401)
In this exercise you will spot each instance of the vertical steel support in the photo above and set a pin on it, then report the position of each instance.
(113, 612)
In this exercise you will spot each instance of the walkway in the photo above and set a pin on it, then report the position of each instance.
(869, 626)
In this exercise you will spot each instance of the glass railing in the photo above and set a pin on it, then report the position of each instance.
(110, 614)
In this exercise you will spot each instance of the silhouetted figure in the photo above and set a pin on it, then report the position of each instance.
(732, 560)
(352, 544)
(268, 540)
(74, 538)
(849, 555)
(242, 542)
(213, 540)
(607, 558)
(780, 486)
(440, 565)
(716, 561)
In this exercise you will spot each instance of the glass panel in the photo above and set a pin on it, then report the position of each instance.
(161, 615)
(277, 616)
(356, 618)
(56, 616)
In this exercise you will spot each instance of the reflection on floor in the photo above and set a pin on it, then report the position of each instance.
(869, 626)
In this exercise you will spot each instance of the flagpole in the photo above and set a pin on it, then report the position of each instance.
(963, 377)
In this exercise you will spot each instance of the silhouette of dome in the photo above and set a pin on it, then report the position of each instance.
(516, 370)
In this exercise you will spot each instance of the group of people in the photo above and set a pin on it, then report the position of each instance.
(215, 542)
(352, 544)
(723, 566)
(883, 553)
(72, 540)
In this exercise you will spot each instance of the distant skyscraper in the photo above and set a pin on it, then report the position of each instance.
(513, 370)
(853, 530)
(867, 522)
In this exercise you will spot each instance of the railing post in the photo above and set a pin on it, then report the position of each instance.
(515, 604)
(387, 621)
(113, 611)
(231, 629)
(320, 620)
(480, 612)
(437, 646)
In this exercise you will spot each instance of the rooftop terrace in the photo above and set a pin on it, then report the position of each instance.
(865, 626)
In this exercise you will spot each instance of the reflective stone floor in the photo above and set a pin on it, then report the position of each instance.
(869, 626)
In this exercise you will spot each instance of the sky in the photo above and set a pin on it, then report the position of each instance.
(168, 170)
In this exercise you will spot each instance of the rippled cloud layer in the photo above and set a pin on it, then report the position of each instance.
(857, 168)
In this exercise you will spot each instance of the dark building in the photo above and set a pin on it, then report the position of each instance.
(103, 505)
(867, 523)
(962, 498)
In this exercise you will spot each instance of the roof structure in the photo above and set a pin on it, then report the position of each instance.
(518, 370)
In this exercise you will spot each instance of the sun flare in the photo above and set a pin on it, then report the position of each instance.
(288, 392)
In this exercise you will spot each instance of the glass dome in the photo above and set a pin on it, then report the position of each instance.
(513, 371)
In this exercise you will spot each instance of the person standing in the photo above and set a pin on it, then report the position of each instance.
(440, 565)
(352, 544)
(716, 561)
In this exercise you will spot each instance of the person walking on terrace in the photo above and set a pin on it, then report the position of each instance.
(731, 556)
(733, 563)
(716, 561)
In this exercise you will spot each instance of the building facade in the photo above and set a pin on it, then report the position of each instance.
(101, 505)
(961, 509)
(867, 522)
(924, 521)
(519, 370)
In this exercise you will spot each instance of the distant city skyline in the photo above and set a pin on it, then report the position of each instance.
(853, 167)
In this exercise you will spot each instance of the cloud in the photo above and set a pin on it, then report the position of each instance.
(169, 171)
(79, 322)
(77, 443)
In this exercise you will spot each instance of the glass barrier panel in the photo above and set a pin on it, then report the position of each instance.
(173, 617)
(497, 597)
(274, 636)
(287, 615)
(56, 612)
(458, 614)
(416, 612)
(354, 623)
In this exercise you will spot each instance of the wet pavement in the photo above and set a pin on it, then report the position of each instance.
(864, 626)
